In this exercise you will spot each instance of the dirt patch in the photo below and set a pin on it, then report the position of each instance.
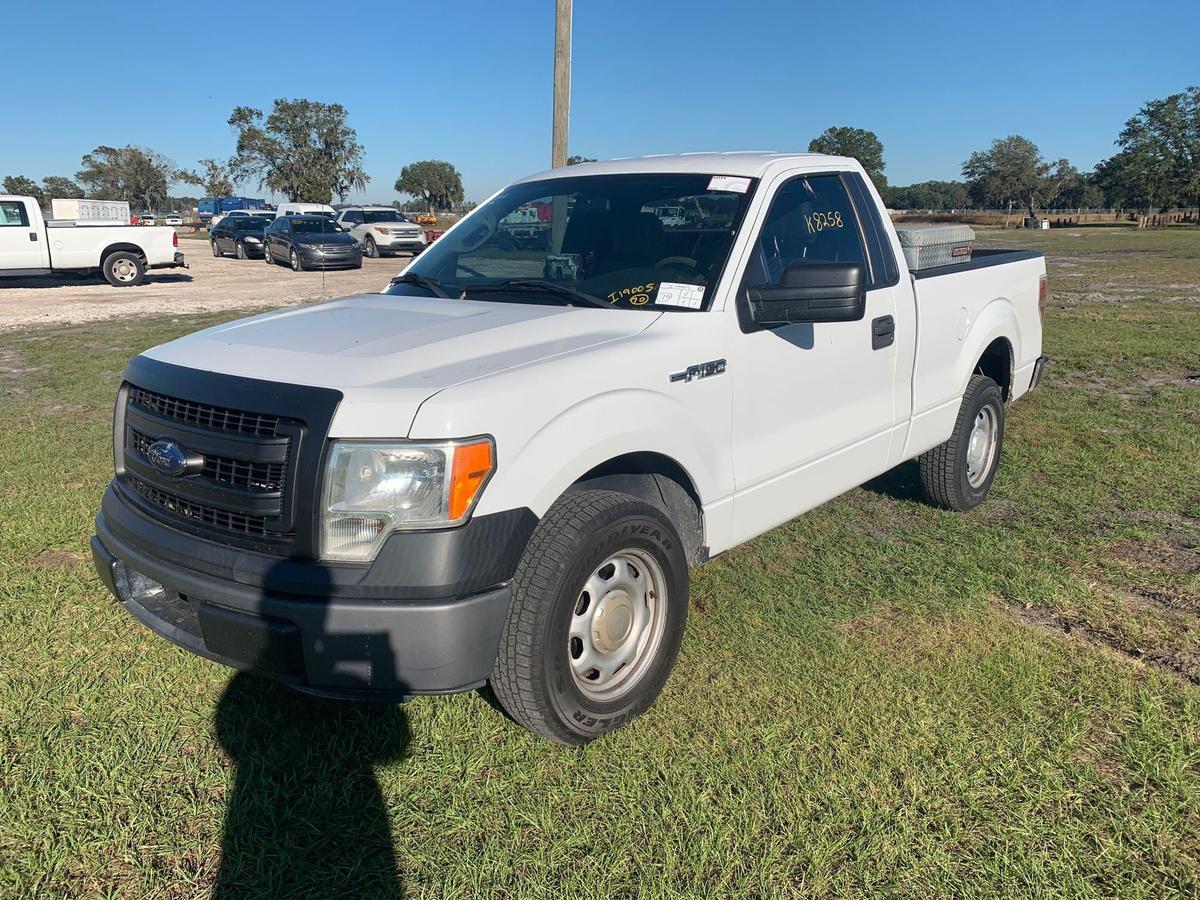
(13, 370)
(1175, 554)
(211, 285)
(1181, 662)
(1134, 387)
(58, 559)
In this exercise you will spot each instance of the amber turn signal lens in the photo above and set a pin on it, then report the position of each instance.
(473, 464)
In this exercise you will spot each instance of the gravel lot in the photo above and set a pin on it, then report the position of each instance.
(209, 285)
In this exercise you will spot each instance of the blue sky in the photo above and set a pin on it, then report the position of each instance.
(470, 82)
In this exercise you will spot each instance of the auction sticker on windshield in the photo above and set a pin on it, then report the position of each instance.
(729, 183)
(673, 294)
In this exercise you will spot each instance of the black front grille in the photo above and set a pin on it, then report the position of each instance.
(261, 442)
(204, 415)
(254, 526)
(257, 476)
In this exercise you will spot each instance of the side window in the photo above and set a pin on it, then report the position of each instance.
(13, 214)
(884, 270)
(811, 219)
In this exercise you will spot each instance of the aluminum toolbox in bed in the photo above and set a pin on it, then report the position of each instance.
(932, 246)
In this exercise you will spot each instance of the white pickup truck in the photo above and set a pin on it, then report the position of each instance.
(33, 245)
(499, 469)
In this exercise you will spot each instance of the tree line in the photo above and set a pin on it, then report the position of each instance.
(307, 151)
(303, 149)
(1157, 166)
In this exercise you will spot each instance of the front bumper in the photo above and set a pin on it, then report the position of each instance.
(315, 259)
(322, 637)
(401, 245)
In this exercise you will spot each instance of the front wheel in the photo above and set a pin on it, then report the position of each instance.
(597, 616)
(297, 265)
(369, 248)
(123, 269)
(216, 250)
(958, 473)
(241, 250)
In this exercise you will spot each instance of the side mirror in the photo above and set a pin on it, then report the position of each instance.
(812, 292)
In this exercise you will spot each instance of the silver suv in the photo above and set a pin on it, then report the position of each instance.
(382, 229)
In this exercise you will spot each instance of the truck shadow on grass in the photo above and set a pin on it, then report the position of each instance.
(900, 483)
(306, 817)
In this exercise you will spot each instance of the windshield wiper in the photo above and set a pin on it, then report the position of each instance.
(430, 284)
(537, 284)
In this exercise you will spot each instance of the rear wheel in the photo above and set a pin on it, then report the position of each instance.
(597, 616)
(123, 269)
(958, 474)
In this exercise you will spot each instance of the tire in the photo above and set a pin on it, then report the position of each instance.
(297, 263)
(958, 474)
(216, 250)
(544, 675)
(369, 249)
(123, 269)
(267, 257)
(241, 251)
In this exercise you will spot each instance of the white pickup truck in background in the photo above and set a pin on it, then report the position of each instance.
(500, 469)
(33, 245)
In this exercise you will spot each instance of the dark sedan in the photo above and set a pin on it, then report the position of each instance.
(311, 242)
(239, 235)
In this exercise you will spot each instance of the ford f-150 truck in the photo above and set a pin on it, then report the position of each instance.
(31, 245)
(499, 469)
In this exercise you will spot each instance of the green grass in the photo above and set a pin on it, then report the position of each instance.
(878, 697)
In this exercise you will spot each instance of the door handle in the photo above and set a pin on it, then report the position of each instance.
(33, 236)
(883, 332)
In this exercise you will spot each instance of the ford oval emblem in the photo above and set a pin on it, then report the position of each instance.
(167, 457)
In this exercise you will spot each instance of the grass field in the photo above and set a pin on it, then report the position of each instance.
(878, 697)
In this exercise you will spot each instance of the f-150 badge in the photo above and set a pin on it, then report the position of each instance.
(700, 370)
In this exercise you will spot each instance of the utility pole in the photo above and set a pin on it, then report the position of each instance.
(562, 82)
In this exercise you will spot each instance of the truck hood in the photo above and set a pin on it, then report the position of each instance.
(388, 354)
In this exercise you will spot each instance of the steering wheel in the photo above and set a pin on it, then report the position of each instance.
(677, 262)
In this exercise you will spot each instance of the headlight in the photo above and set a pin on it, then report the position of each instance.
(373, 489)
(251, 239)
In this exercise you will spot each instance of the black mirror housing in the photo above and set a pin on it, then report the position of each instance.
(812, 292)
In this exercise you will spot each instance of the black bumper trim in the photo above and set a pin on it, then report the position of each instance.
(1039, 369)
(335, 647)
(416, 565)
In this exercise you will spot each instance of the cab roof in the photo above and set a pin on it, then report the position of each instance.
(749, 163)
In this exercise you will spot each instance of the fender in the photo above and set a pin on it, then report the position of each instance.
(553, 457)
(997, 320)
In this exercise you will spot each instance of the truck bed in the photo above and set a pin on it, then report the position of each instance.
(961, 309)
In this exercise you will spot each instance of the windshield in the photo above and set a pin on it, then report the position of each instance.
(383, 215)
(632, 241)
(314, 225)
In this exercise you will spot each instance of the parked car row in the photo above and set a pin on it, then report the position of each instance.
(302, 242)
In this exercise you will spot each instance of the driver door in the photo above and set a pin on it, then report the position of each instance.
(812, 402)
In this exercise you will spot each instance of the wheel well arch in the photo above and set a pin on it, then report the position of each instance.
(996, 362)
(660, 481)
(122, 247)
